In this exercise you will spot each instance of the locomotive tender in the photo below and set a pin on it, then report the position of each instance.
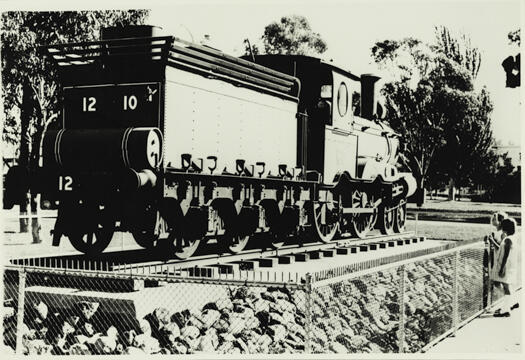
(171, 140)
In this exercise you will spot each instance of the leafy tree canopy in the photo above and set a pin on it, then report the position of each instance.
(23, 61)
(444, 122)
(292, 35)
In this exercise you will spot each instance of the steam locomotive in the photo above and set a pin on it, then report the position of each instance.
(181, 143)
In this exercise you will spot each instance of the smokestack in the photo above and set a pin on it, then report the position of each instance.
(368, 96)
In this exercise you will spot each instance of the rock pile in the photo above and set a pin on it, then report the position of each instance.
(250, 320)
(359, 315)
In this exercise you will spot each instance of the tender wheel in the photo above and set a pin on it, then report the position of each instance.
(145, 236)
(400, 218)
(387, 218)
(325, 222)
(361, 224)
(279, 223)
(235, 244)
(94, 234)
(191, 234)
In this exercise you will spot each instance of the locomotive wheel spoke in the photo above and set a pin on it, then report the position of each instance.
(323, 232)
(400, 218)
(387, 217)
(361, 224)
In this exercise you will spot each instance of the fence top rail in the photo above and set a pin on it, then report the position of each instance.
(170, 274)
(323, 277)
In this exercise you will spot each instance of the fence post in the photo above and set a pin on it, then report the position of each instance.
(20, 310)
(401, 336)
(455, 298)
(417, 218)
(308, 323)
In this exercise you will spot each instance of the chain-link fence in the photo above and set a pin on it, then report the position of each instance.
(383, 305)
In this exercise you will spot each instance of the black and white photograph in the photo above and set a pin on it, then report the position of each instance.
(290, 179)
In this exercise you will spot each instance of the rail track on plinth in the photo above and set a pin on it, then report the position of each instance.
(142, 261)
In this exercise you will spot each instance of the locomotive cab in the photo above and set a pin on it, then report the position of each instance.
(336, 137)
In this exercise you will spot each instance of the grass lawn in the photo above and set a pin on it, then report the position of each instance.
(467, 206)
(451, 230)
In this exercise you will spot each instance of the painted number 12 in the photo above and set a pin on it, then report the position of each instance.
(88, 104)
(65, 183)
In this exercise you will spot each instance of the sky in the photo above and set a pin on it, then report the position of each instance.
(350, 29)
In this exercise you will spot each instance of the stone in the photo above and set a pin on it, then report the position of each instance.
(37, 347)
(252, 323)
(87, 329)
(8, 312)
(318, 335)
(296, 329)
(128, 337)
(41, 310)
(288, 317)
(224, 303)
(261, 305)
(358, 341)
(208, 342)
(221, 325)
(284, 305)
(131, 350)
(337, 348)
(268, 296)
(105, 345)
(264, 340)
(168, 334)
(147, 343)
(179, 348)
(79, 349)
(145, 327)
(276, 319)
(237, 325)
(225, 347)
(162, 315)
(242, 346)
(191, 332)
(181, 317)
(88, 308)
(278, 332)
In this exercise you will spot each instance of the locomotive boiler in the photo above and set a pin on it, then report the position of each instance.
(180, 143)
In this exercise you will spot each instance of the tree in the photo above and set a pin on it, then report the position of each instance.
(512, 64)
(292, 35)
(515, 37)
(459, 50)
(444, 123)
(411, 101)
(29, 82)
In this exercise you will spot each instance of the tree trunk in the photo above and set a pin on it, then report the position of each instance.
(451, 190)
(35, 221)
(33, 164)
(420, 190)
(26, 112)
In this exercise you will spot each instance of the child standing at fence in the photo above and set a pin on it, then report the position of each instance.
(494, 239)
(505, 266)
